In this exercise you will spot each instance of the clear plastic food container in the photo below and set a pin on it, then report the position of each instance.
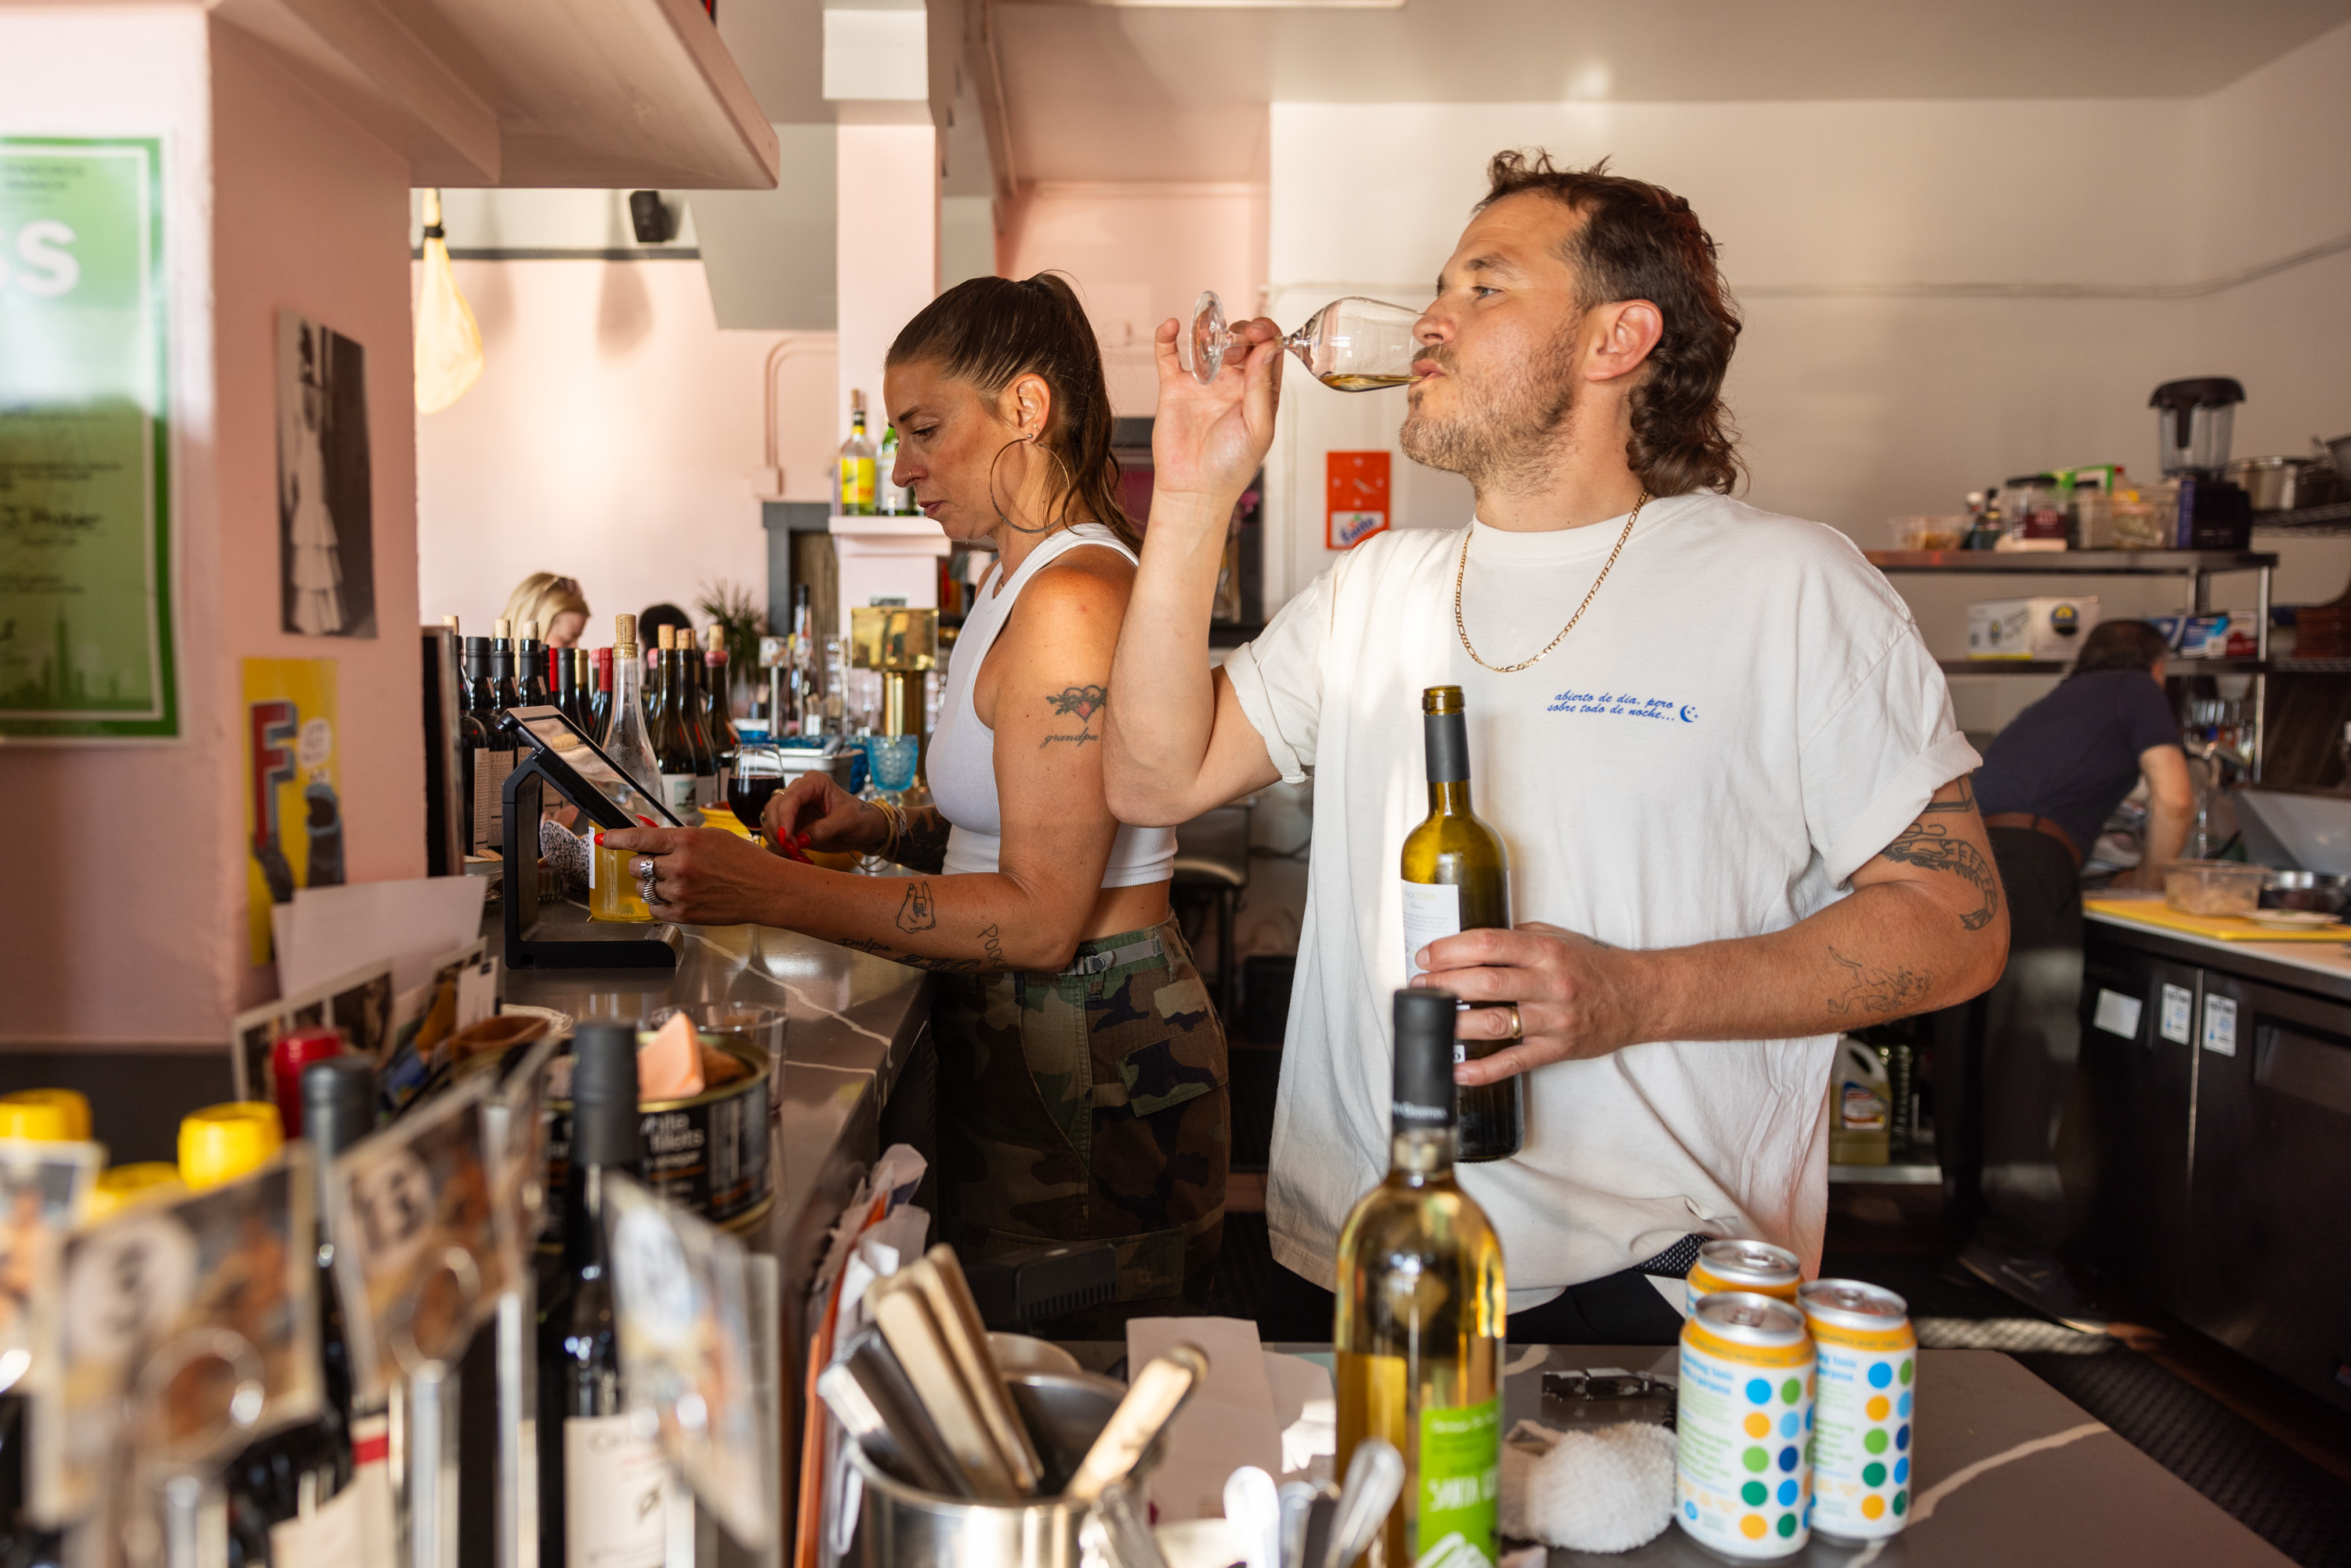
(2213, 888)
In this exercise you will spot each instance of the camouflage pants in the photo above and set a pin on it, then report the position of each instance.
(1088, 1105)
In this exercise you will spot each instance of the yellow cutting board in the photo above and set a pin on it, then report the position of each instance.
(2219, 927)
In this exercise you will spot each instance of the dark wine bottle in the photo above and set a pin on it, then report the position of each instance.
(566, 685)
(288, 1475)
(718, 707)
(600, 707)
(673, 750)
(489, 757)
(1455, 878)
(530, 668)
(602, 1486)
(691, 704)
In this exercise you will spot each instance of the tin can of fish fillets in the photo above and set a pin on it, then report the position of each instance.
(1743, 1412)
(1732, 1264)
(1865, 1406)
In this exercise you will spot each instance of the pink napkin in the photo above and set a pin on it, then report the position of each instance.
(671, 1067)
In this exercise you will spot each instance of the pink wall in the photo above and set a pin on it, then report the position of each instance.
(1140, 254)
(612, 436)
(130, 927)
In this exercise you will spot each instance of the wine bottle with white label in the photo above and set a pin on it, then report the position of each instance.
(603, 1489)
(1422, 1305)
(1455, 878)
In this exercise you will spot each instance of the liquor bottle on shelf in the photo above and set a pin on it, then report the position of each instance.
(673, 736)
(895, 502)
(1455, 878)
(600, 702)
(530, 668)
(284, 1478)
(472, 736)
(855, 489)
(496, 756)
(603, 1492)
(718, 705)
(1421, 1310)
(567, 684)
(504, 686)
(690, 705)
(627, 737)
(804, 691)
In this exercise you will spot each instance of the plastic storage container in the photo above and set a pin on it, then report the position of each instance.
(2213, 888)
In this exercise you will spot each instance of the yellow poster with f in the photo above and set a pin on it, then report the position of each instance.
(293, 801)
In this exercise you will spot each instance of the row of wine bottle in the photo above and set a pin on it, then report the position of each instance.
(675, 737)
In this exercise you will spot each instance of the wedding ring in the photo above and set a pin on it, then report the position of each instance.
(1517, 1024)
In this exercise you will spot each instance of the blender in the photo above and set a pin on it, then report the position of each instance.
(2192, 425)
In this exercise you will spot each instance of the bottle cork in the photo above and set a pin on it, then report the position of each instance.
(450, 622)
(713, 639)
(624, 636)
(504, 628)
(669, 639)
(530, 631)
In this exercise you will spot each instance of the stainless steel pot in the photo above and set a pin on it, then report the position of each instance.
(902, 1527)
(2270, 481)
(2316, 890)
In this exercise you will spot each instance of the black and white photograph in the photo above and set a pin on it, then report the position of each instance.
(324, 530)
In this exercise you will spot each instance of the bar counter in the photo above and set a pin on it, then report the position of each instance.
(857, 1023)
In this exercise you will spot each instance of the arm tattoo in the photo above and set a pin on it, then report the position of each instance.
(1878, 993)
(1080, 702)
(1934, 846)
(919, 911)
(911, 960)
(923, 842)
(990, 945)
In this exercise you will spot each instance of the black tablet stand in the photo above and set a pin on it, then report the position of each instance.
(532, 941)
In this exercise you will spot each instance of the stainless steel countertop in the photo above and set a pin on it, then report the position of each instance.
(2010, 1470)
(854, 1021)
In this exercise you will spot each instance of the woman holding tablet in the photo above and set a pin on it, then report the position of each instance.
(1082, 1078)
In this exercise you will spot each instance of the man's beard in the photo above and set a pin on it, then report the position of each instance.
(1502, 436)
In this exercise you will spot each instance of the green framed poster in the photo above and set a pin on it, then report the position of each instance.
(86, 557)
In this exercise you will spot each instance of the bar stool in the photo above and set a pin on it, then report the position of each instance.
(1212, 872)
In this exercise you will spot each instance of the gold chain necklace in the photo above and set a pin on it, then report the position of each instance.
(1463, 570)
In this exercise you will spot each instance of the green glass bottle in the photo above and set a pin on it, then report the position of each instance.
(1456, 878)
(1421, 1313)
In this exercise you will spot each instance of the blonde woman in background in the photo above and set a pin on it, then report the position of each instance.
(555, 602)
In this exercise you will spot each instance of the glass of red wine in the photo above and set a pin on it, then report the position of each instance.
(758, 774)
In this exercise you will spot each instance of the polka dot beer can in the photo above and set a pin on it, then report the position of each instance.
(1741, 1483)
(1864, 1410)
(1731, 1263)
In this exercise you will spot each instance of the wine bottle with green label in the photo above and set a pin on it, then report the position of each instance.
(1421, 1313)
(1456, 878)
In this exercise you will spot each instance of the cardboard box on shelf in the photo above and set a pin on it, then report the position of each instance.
(2030, 628)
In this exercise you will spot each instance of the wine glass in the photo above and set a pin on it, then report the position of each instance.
(1354, 344)
(758, 774)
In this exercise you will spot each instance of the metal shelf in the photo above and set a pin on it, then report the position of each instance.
(2329, 521)
(1887, 1175)
(2068, 563)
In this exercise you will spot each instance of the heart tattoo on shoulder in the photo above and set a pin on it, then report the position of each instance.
(1080, 702)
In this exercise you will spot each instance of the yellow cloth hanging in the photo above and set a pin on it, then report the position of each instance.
(448, 344)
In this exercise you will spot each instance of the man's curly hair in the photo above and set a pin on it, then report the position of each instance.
(1639, 241)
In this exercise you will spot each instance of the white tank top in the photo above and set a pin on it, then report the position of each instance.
(963, 750)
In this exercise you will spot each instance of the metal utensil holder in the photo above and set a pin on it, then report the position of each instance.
(905, 1527)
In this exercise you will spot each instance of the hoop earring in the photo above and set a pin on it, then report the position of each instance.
(1000, 517)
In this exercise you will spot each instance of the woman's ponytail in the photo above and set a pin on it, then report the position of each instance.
(991, 330)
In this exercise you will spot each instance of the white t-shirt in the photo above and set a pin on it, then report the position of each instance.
(1745, 716)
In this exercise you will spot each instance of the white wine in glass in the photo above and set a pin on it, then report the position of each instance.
(1354, 344)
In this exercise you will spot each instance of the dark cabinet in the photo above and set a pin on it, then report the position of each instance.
(2208, 1155)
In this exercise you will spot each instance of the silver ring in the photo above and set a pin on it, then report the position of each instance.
(1517, 1024)
(645, 867)
(645, 888)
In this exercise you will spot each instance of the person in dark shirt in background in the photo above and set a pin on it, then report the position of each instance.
(2005, 1062)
